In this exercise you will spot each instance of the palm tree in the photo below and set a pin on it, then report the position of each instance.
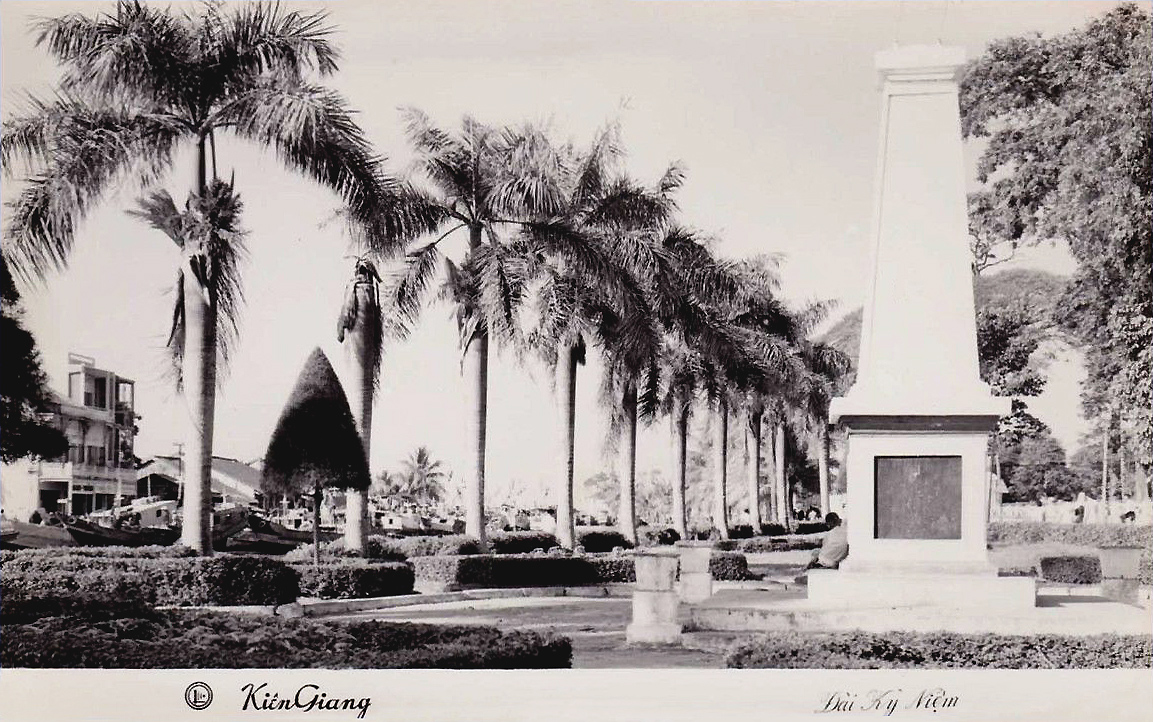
(360, 323)
(482, 180)
(136, 85)
(588, 259)
(422, 477)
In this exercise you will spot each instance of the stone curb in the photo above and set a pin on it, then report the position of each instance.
(327, 607)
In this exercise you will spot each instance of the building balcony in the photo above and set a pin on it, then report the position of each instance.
(82, 470)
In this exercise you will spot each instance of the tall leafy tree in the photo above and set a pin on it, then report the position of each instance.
(315, 445)
(488, 182)
(139, 83)
(1069, 122)
(24, 393)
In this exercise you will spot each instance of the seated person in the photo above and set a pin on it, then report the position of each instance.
(835, 546)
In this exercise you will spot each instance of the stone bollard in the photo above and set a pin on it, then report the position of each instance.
(696, 579)
(1119, 571)
(655, 603)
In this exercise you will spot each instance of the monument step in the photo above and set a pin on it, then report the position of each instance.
(1055, 615)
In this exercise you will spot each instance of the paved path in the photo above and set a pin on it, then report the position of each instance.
(595, 626)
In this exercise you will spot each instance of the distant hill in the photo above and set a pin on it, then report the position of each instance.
(1036, 289)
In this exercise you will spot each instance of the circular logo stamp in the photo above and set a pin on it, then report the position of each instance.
(198, 695)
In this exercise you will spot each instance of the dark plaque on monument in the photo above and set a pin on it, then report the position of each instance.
(917, 497)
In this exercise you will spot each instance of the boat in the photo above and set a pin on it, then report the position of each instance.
(89, 533)
(250, 541)
(227, 521)
(25, 535)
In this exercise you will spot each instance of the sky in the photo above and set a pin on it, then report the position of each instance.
(772, 108)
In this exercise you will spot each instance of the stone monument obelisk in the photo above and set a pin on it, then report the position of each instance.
(918, 417)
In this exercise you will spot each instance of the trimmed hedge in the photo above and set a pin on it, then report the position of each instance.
(185, 639)
(219, 580)
(506, 570)
(1071, 569)
(377, 548)
(868, 650)
(520, 542)
(599, 540)
(427, 546)
(527, 570)
(729, 566)
(761, 544)
(614, 568)
(648, 536)
(1092, 535)
(175, 551)
(355, 579)
(28, 596)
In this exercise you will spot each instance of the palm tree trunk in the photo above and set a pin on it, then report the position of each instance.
(566, 401)
(771, 474)
(721, 469)
(317, 495)
(477, 363)
(754, 477)
(1105, 475)
(781, 481)
(680, 458)
(823, 464)
(199, 378)
(368, 322)
(627, 517)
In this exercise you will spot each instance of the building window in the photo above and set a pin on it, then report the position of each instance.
(96, 392)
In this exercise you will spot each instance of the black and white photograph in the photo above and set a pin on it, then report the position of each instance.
(570, 360)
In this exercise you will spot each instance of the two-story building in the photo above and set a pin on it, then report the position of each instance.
(98, 418)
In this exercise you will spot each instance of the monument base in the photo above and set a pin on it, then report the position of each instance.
(920, 585)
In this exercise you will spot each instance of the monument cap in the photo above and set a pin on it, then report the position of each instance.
(919, 60)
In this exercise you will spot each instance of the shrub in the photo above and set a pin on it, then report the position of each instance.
(376, 549)
(773, 529)
(1092, 535)
(741, 531)
(27, 596)
(811, 527)
(596, 541)
(226, 579)
(613, 568)
(507, 570)
(183, 639)
(426, 546)
(355, 579)
(648, 536)
(844, 650)
(729, 566)
(1071, 569)
(520, 542)
(761, 544)
(175, 551)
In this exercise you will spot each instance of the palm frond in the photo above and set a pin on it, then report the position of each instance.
(313, 132)
(405, 289)
(264, 39)
(141, 55)
(208, 232)
(361, 312)
(80, 151)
